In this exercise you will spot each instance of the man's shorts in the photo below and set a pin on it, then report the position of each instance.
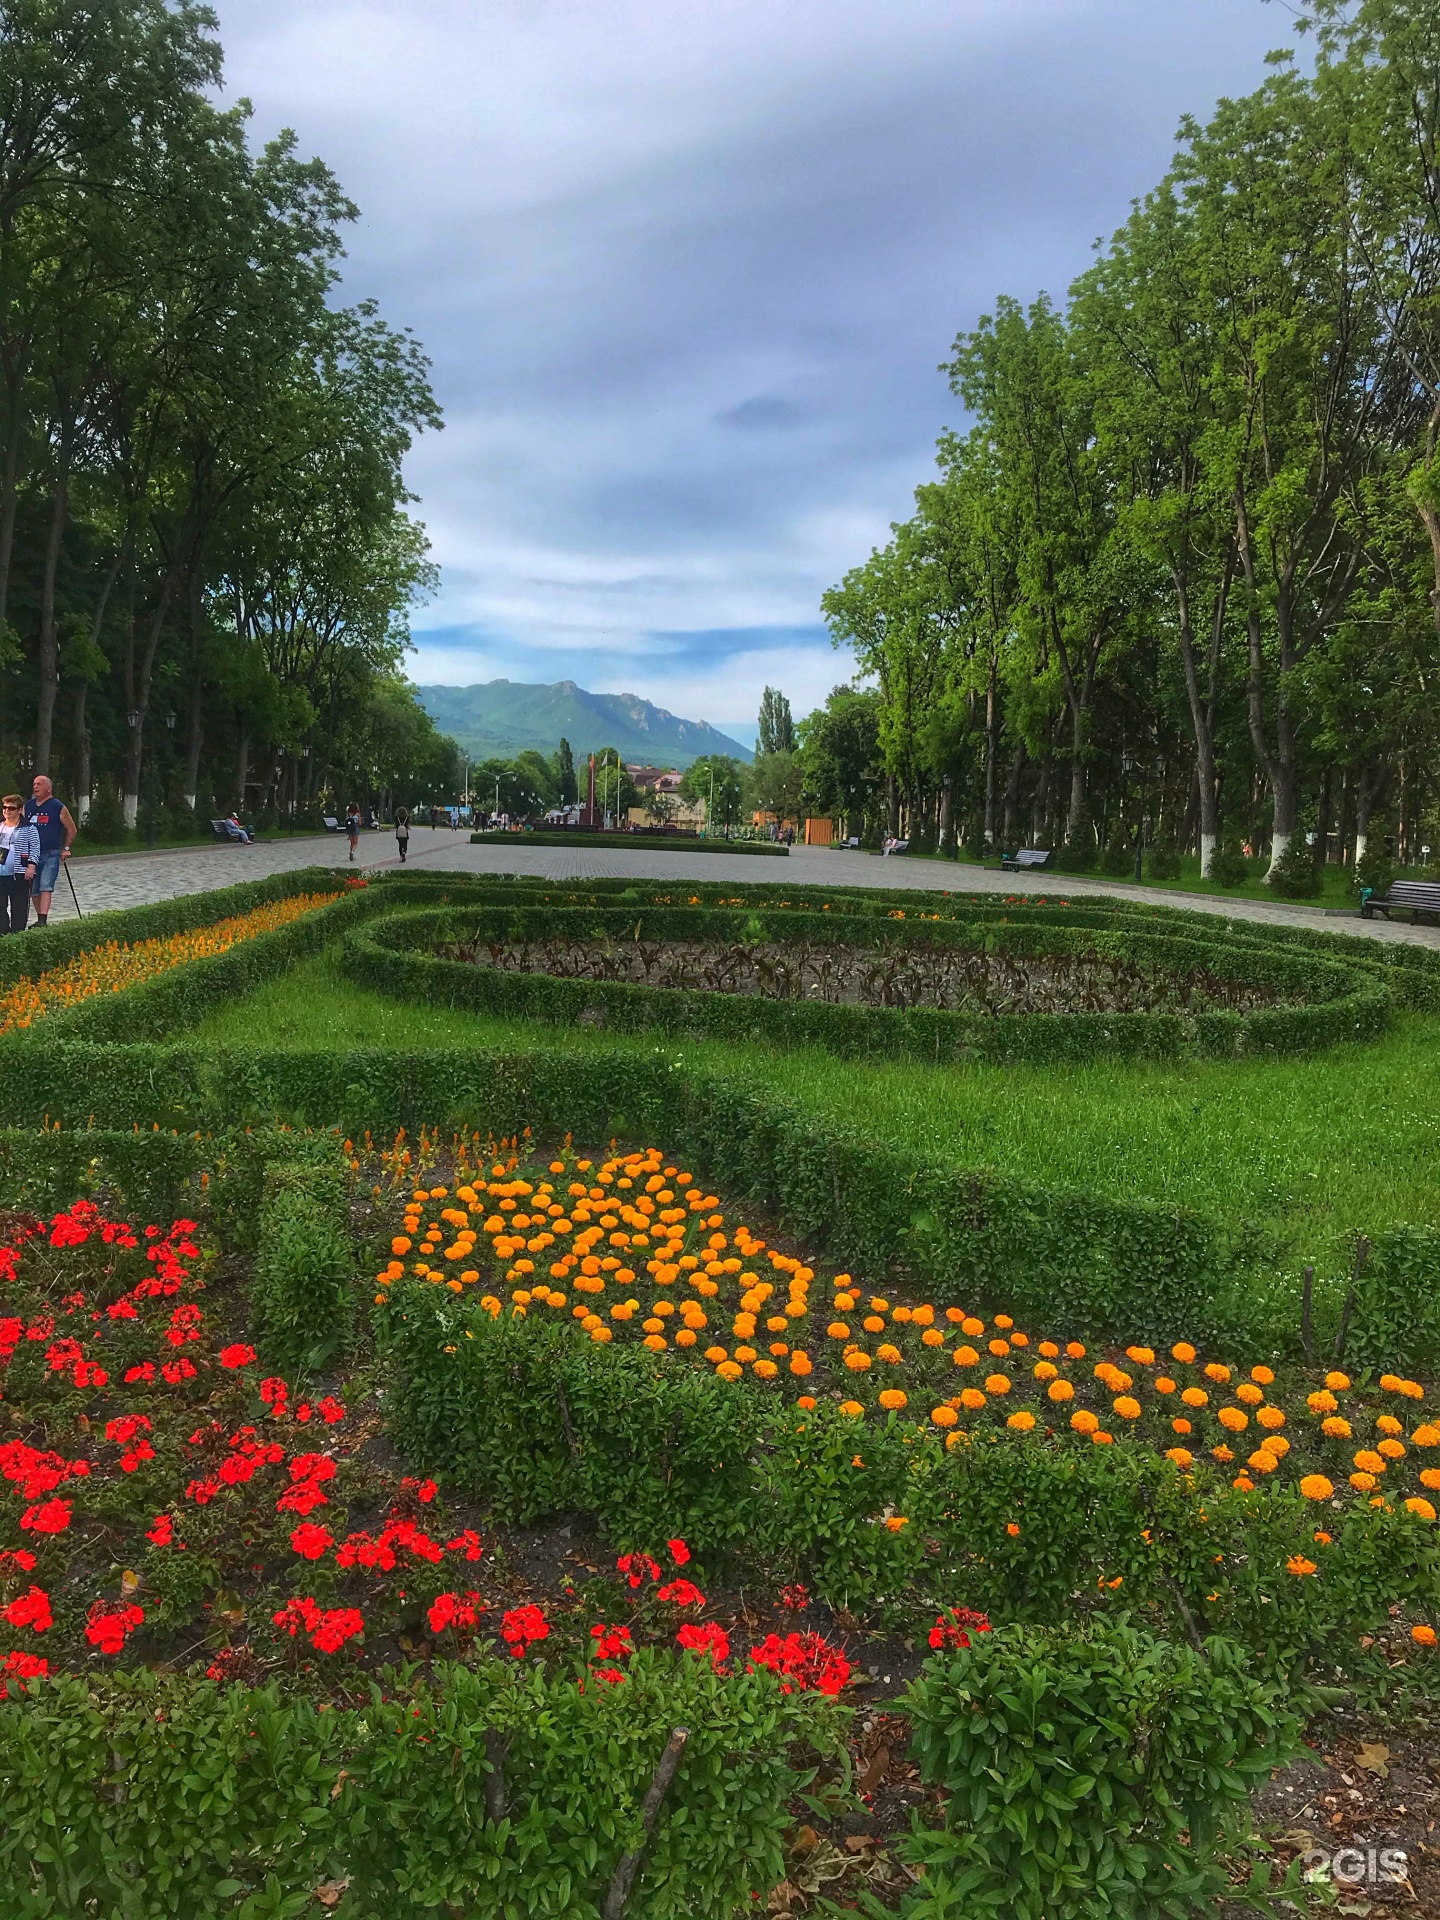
(47, 872)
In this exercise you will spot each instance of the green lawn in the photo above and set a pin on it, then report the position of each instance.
(1316, 1147)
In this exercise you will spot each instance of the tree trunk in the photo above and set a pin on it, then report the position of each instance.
(1039, 813)
(242, 772)
(49, 642)
(137, 699)
(9, 485)
(992, 753)
(1012, 796)
(195, 720)
(1279, 766)
(82, 756)
(1202, 711)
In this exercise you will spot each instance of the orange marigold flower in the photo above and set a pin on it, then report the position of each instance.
(1392, 1449)
(1183, 1352)
(1220, 1375)
(1142, 1356)
(1322, 1402)
(1181, 1426)
(800, 1364)
(1252, 1396)
(1369, 1461)
(966, 1357)
(892, 1400)
(973, 1327)
(890, 1355)
(1423, 1636)
(1422, 1507)
(852, 1409)
(1262, 1461)
(1127, 1408)
(1164, 1384)
(1060, 1390)
(1263, 1375)
(1337, 1382)
(1426, 1435)
(1083, 1421)
(1300, 1566)
(1075, 1350)
(1013, 1529)
(1362, 1482)
(972, 1399)
(1044, 1371)
(1232, 1419)
(943, 1416)
(1022, 1422)
(1336, 1428)
(997, 1383)
(857, 1360)
(1271, 1418)
(1195, 1397)
(1182, 1457)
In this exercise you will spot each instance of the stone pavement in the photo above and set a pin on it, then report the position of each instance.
(133, 879)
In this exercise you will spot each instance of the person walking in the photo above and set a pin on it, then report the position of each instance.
(19, 862)
(402, 832)
(51, 820)
(352, 826)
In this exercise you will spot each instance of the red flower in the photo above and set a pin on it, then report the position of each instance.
(710, 1641)
(330, 1410)
(236, 1355)
(468, 1541)
(954, 1629)
(51, 1516)
(108, 1630)
(637, 1568)
(311, 1541)
(424, 1490)
(144, 1371)
(329, 1627)
(174, 1371)
(18, 1557)
(682, 1593)
(22, 1667)
(31, 1609)
(161, 1531)
(460, 1610)
(803, 1662)
(679, 1552)
(611, 1643)
(522, 1628)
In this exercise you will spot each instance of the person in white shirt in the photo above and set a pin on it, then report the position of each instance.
(19, 862)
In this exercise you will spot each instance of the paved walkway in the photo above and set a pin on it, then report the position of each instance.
(133, 879)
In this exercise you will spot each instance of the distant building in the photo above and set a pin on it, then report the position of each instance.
(665, 782)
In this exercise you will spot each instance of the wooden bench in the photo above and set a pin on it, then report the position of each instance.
(894, 846)
(226, 830)
(1416, 896)
(332, 825)
(1036, 858)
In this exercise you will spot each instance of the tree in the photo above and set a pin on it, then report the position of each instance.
(775, 784)
(564, 770)
(840, 752)
(777, 729)
(718, 780)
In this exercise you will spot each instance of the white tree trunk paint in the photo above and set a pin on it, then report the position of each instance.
(1278, 847)
(1207, 854)
(131, 806)
(1360, 841)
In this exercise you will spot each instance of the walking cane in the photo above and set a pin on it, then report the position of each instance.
(73, 895)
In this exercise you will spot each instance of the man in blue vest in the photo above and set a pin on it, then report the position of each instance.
(51, 820)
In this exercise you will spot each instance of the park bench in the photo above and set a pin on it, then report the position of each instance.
(1027, 857)
(332, 825)
(895, 846)
(1417, 896)
(225, 830)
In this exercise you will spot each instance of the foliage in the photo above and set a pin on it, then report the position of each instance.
(718, 779)
(1088, 1770)
(303, 1299)
(199, 1798)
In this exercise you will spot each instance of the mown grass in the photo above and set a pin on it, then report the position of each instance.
(1318, 1147)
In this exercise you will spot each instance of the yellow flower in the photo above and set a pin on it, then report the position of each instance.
(1322, 1402)
(1337, 1382)
(890, 1355)
(1195, 1397)
(1271, 1418)
(1369, 1462)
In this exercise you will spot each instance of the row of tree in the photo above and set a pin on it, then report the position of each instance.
(206, 563)
(1181, 578)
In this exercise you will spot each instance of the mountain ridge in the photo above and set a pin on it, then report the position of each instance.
(496, 719)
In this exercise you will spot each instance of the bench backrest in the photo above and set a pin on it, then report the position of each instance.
(331, 822)
(1031, 857)
(1417, 893)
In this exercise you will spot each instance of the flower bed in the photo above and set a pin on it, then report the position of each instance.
(115, 965)
(906, 984)
(415, 1672)
(586, 1333)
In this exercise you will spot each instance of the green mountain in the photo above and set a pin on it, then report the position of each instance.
(503, 718)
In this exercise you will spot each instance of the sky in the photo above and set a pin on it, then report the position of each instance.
(686, 270)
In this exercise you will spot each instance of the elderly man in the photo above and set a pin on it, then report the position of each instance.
(52, 822)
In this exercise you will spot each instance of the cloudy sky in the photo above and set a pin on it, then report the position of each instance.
(686, 268)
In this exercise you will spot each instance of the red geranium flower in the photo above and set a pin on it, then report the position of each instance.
(236, 1355)
(311, 1541)
(49, 1516)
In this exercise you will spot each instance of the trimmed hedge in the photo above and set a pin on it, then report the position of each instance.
(131, 1795)
(626, 842)
(1096, 1263)
(1087, 1773)
(306, 1263)
(393, 957)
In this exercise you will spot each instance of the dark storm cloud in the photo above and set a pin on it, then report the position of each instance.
(686, 268)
